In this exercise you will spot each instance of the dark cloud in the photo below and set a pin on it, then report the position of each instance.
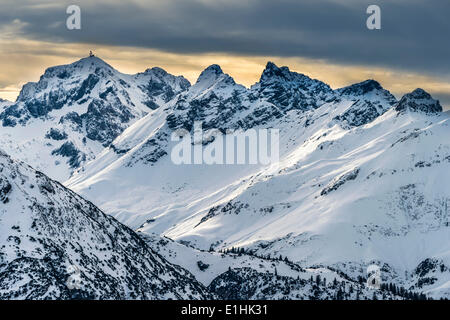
(414, 33)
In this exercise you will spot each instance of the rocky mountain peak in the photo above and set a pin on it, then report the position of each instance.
(270, 71)
(274, 73)
(80, 108)
(156, 81)
(418, 101)
(419, 94)
(212, 80)
(370, 101)
(92, 61)
(156, 70)
(368, 90)
(290, 90)
(210, 73)
(361, 88)
(86, 65)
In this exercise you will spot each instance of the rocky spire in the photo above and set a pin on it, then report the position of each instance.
(418, 101)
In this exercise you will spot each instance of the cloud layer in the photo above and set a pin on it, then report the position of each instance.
(413, 34)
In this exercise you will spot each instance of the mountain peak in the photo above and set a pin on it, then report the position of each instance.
(368, 90)
(289, 89)
(156, 70)
(371, 83)
(272, 71)
(87, 64)
(418, 101)
(212, 76)
(361, 88)
(92, 61)
(419, 93)
(271, 66)
(273, 74)
(212, 72)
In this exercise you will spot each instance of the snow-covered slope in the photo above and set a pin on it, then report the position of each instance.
(361, 177)
(240, 274)
(56, 245)
(218, 103)
(73, 111)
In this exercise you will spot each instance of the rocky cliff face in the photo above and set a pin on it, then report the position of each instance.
(75, 110)
(418, 101)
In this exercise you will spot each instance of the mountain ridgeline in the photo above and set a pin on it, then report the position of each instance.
(80, 108)
(76, 110)
(362, 180)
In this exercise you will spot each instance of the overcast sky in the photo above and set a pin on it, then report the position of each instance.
(326, 39)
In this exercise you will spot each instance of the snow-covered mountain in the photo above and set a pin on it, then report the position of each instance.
(56, 245)
(240, 274)
(361, 180)
(370, 101)
(290, 90)
(361, 177)
(75, 110)
(418, 101)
